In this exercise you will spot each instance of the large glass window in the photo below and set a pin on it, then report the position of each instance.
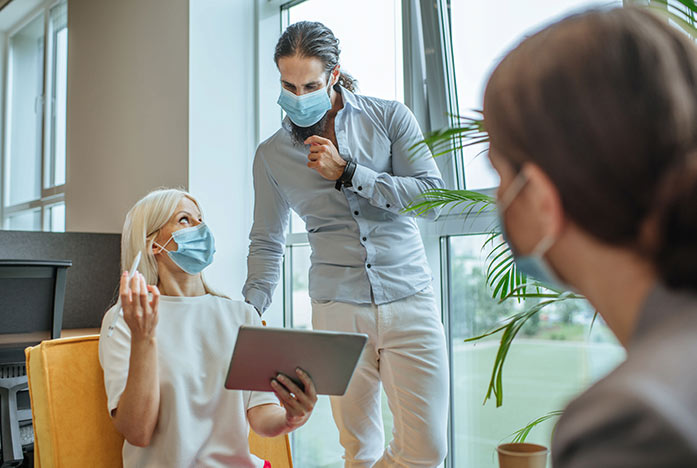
(556, 355)
(482, 33)
(379, 73)
(25, 112)
(58, 104)
(370, 35)
(34, 150)
(316, 444)
(27, 220)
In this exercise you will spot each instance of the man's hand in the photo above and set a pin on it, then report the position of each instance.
(324, 158)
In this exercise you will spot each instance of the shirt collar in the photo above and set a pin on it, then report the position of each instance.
(347, 96)
(349, 99)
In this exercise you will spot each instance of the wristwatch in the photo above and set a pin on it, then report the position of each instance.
(347, 176)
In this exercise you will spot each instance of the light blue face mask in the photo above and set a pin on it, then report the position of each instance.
(533, 264)
(305, 110)
(195, 248)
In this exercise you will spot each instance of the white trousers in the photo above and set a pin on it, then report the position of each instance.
(406, 352)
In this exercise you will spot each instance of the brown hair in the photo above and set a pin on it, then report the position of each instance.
(605, 102)
(313, 39)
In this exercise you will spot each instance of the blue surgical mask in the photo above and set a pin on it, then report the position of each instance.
(195, 248)
(305, 110)
(533, 264)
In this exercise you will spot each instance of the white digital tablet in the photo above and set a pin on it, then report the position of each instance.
(261, 353)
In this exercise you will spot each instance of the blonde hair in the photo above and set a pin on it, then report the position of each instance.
(150, 214)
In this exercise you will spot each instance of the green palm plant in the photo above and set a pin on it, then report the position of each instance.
(503, 278)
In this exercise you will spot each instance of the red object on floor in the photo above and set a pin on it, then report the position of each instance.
(267, 464)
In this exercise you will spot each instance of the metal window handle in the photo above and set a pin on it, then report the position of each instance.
(38, 104)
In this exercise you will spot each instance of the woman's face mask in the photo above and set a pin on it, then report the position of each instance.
(195, 248)
(534, 264)
(307, 109)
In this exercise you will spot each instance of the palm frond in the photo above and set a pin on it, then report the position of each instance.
(522, 434)
(510, 330)
(590, 329)
(502, 274)
(467, 200)
(468, 131)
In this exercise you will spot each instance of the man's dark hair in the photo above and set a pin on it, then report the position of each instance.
(313, 39)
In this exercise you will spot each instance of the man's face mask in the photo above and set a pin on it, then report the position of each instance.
(195, 250)
(308, 109)
(533, 264)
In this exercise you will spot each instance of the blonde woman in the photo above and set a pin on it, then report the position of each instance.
(166, 358)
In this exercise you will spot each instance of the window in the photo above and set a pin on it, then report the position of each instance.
(482, 33)
(555, 356)
(316, 444)
(438, 68)
(34, 148)
(379, 74)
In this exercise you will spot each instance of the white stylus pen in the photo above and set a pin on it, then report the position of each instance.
(131, 273)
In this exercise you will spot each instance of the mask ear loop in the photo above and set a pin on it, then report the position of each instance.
(513, 191)
(162, 247)
(544, 245)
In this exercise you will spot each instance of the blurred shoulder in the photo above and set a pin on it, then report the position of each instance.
(632, 417)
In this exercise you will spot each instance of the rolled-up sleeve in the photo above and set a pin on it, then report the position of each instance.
(414, 171)
(268, 237)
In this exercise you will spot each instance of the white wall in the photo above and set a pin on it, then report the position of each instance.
(128, 98)
(164, 92)
(222, 130)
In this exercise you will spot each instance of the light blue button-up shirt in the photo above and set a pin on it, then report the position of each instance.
(364, 249)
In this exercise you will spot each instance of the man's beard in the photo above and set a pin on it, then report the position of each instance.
(300, 134)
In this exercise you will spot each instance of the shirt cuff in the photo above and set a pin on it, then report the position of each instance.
(363, 181)
(258, 299)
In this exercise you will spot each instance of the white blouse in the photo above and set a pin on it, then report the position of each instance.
(200, 423)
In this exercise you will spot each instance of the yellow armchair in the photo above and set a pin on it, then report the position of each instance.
(72, 426)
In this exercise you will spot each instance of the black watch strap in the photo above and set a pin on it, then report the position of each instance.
(347, 176)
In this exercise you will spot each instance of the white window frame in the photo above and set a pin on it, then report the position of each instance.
(50, 195)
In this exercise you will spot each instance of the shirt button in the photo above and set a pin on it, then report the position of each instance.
(360, 187)
(365, 239)
(369, 265)
(356, 213)
(388, 205)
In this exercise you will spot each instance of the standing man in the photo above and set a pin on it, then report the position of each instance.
(343, 162)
